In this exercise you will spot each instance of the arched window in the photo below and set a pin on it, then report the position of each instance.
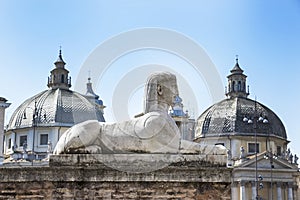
(233, 86)
(62, 78)
(239, 86)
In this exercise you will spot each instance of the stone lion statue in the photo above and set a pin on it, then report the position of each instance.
(154, 131)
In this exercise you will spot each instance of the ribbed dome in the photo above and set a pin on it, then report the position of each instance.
(55, 107)
(226, 118)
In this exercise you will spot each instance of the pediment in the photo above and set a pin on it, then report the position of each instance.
(278, 163)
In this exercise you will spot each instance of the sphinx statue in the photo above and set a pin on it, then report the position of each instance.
(154, 131)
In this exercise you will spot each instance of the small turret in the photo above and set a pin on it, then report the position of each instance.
(59, 76)
(237, 82)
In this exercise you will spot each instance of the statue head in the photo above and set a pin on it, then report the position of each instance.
(161, 88)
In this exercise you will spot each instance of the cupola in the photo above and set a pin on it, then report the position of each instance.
(59, 77)
(237, 82)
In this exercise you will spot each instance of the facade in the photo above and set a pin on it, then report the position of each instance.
(37, 124)
(244, 127)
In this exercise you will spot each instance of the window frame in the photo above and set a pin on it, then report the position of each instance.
(280, 150)
(21, 144)
(253, 143)
(40, 139)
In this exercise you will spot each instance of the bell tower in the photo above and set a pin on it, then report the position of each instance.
(59, 76)
(237, 82)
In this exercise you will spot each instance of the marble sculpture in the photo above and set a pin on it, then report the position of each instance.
(152, 132)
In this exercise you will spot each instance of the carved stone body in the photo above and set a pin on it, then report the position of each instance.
(153, 132)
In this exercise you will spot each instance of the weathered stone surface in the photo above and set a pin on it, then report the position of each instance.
(114, 190)
(82, 180)
(137, 163)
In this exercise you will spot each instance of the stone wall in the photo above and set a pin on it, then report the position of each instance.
(80, 180)
(113, 190)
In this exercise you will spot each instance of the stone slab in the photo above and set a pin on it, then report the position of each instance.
(135, 160)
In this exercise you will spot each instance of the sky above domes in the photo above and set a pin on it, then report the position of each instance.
(265, 35)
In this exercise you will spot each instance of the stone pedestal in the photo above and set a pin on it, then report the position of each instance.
(87, 176)
(136, 163)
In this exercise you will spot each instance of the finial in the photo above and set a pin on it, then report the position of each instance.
(59, 50)
(237, 58)
(89, 76)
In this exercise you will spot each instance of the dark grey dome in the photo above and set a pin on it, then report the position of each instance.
(55, 107)
(226, 118)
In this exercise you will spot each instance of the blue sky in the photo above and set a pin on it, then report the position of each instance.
(265, 35)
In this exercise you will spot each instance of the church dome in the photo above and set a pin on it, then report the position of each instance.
(54, 107)
(230, 116)
(227, 118)
(57, 106)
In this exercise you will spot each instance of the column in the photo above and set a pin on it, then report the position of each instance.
(290, 191)
(3, 106)
(242, 191)
(271, 195)
(279, 195)
(253, 189)
(234, 191)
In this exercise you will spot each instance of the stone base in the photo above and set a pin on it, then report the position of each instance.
(88, 176)
(136, 163)
(114, 190)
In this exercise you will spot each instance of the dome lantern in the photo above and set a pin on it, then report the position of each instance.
(237, 82)
(59, 76)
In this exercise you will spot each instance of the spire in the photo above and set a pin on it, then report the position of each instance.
(89, 90)
(237, 82)
(92, 96)
(59, 76)
(60, 63)
(89, 78)
(236, 69)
